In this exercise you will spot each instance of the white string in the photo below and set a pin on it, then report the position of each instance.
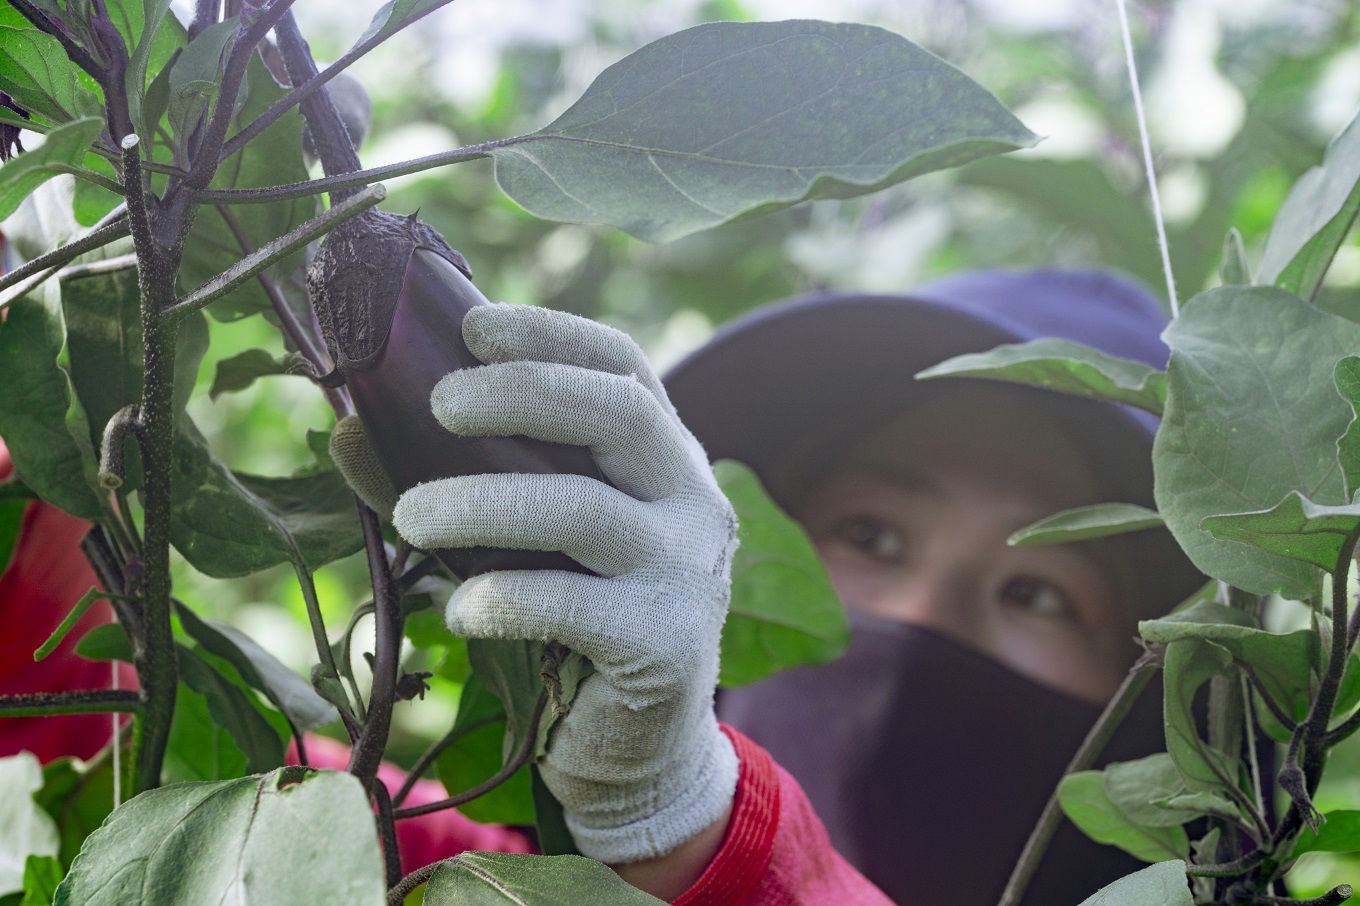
(117, 773)
(1147, 159)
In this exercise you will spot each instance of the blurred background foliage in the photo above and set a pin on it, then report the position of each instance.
(1242, 97)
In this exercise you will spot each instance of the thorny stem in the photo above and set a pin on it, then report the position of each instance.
(96, 238)
(1139, 675)
(367, 753)
(434, 751)
(520, 758)
(397, 895)
(92, 701)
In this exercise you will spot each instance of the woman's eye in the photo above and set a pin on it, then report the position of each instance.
(1038, 597)
(872, 537)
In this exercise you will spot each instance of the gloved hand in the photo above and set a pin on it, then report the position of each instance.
(639, 763)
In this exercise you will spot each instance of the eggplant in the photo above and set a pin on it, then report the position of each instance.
(391, 295)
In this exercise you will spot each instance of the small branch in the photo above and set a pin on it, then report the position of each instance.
(96, 238)
(79, 610)
(91, 701)
(322, 121)
(422, 569)
(1227, 869)
(521, 757)
(1333, 897)
(97, 268)
(88, 175)
(318, 623)
(364, 759)
(346, 642)
(387, 832)
(358, 178)
(125, 421)
(270, 252)
(205, 15)
(1140, 674)
(437, 748)
(397, 895)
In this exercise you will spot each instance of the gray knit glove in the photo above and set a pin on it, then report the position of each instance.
(639, 763)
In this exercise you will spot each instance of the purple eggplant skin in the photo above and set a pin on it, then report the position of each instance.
(392, 342)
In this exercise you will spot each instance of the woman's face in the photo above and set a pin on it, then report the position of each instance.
(913, 525)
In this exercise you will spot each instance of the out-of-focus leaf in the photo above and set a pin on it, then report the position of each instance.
(25, 829)
(733, 119)
(1062, 365)
(272, 158)
(1295, 527)
(426, 629)
(260, 833)
(65, 146)
(1252, 413)
(1339, 833)
(1083, 799)
(1234, 268)
(42, 874)
(11, 521)
(228, 524)
(508, 879)
(93, 201)
(1135, 788)
(35, 71)
(105, 642)
(554, 837)
(784, 611)
(1163, 884)
(1099, 520)
(1315, 219)
(240, 371)
(79, 796)
(395, 15)
(289, 692)
(1347, 379)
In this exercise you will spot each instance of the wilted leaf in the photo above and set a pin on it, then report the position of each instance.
(1252, 413)
(1099, 520)
(1062, 365)
(1295, 527)
(65, 146)
(25, 829)
(234, 841)
(1315, 219)
(784, 611)
(1083, 799)
(1162, 884)
(731, 119)
(494, 879)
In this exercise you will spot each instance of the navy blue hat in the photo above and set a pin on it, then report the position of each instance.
(788, 387)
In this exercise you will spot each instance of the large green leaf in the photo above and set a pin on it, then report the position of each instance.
(784, 611)
(35, 71)
(478, 755)
(1062, 365)
(1163, 884)
(250, 840)
(1295, 527)
(199, 748)
(736, 118)
(1190, 663)
(1083, 798)
(34, 405)
(1315, 219)
(1252, 413)
(65, 146)
(233, 709)
(1347, 379)
(289, 692)
(25, 829)
(229, 524)
(1099, 520)
(1339, 833)
(497, 879)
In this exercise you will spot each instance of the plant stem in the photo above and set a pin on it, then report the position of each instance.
(1333, 897)
(89, 176)
(318, 623)
(387, 831)
(397, 895)
(368, 752)
(270, 252)
(92, 701)
(434, 751)
(520, 758)
(1139, 675)
(322, 121)
(96, 238)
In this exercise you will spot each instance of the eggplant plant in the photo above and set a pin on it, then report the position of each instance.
(177, 152)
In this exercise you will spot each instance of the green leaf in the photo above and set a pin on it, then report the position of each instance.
(1234, 268)
(92, 201)
(79, 796)
(495, 879)
(229, 524)
(1064, 366)
(1348, 695)
(25, 829)
(1190, 663)
(288, 691)
(427, 629)
(194, 80)
(478, 755)
(163, 39)
(233, 709)
(395, 15)
(510, 670)
(1315, 219)
(1340, 833)
(65, 146)
(554, 837)
(42, 874)
(733, 119)
(11, 522)
(234, 841)
(1083, 799)
(1347, 380)
(35, 71)
(1099, 520)
(784, 611)
(105, 642)
(199, 749)
(1163, 884)
(273, 157)
(1295, 527)
(1252, 413)
(1136, 788)
(240, 371)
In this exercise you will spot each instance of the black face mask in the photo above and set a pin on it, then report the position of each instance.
(929, 763)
